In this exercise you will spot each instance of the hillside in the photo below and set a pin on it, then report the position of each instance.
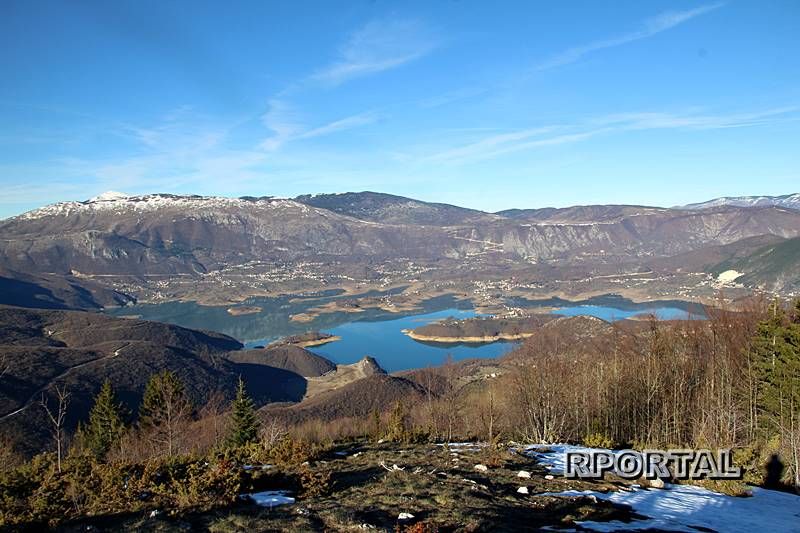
(358, 399)
(390, 209)
(483, 329)
(774, 266)
(191, 236)
(287, 357)
(789, 201)
(42, 349)
(49, 291)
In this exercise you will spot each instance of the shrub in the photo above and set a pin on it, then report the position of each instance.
(314, 483)
(36, 493)
(598, 440)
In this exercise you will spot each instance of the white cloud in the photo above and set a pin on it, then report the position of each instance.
(650, 27)
(286, 125)
(550, 135)
(378, 46)
(283, 121)
(347, 123)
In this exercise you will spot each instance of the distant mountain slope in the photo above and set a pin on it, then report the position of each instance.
(788, 201)
(390, 209)
(189, 235)
(775, 266)
(192, 236)
(715, 259)
(49, 291)
(582, 213)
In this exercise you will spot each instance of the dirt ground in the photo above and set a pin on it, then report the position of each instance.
(366, 487)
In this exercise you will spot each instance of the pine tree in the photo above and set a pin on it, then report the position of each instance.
(106, 424)
(244, 420)
(776, 358)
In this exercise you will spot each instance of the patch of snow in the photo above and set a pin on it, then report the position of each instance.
(689, 508)
(523, 490)
(108, 196)
(257, 467)
(789, 201)
(554, 456)
(464, 446)
(119, 203)
(405, 516)
(270, 498)
(524, 473)
(729, 276)
(481, 468)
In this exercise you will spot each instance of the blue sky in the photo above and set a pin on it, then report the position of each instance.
(489, 105)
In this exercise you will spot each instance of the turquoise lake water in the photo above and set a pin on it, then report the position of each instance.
(385, 341)
(612, 314)
(378, 333)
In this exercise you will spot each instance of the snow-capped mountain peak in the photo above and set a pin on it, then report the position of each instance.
(109, 196)
(789, 201)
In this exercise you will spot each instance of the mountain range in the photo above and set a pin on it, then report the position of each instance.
(75, 249)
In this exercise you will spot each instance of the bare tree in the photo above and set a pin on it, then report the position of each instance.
(5, 364)
(57, 418)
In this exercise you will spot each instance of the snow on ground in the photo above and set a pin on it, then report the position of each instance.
(683, 507)
(689, 508)
(729, 276)
(464, 446)
(553, 456)
(270, 498)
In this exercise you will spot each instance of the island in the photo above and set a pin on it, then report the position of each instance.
(479, 329)
(305, 340)
(243, 310)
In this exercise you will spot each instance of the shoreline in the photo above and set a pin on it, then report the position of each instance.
(317, 342)
(487, 339)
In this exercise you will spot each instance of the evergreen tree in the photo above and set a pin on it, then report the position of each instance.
(776, 356)
(106, 424)
(244, 420)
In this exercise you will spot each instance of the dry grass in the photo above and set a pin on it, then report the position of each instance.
(357, 485)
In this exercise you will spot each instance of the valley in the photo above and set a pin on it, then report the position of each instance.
(363, 315)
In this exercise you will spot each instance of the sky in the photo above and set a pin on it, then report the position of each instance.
(489, 105)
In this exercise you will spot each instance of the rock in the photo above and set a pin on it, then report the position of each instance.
(405, 516)
(524, 473)
(548, 476)
(522, 490)
(656, 483)
(154, 513)
(481, 468)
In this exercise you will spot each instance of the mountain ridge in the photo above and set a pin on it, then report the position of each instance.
(790, 201)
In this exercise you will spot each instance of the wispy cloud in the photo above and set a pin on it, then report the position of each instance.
(287, 125)
(378, 46)
(283, 121)
(451, 97)
(550, 135)
(650, 27)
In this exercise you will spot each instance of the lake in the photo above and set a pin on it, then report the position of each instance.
(378, 333)
(373, 332)
(385, 341)
(613, 307)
